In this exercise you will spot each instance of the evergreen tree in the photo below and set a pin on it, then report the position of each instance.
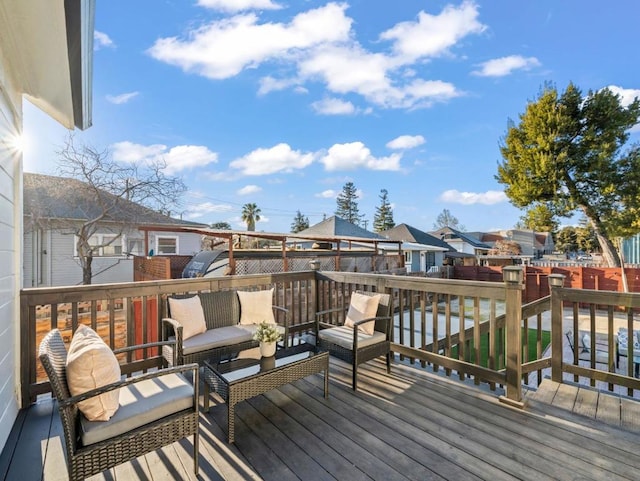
(347, 204)
(567, 153)
(300, 223)
(539, 218)
(383, 218)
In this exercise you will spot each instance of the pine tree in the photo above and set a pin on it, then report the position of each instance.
(300, 222)
(347, 205)
(383, 218)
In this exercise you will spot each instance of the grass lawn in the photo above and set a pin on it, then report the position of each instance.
(500, 349)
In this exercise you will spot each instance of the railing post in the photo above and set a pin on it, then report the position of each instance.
(512, 276)
(556, 282)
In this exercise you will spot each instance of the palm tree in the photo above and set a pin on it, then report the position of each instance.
(250, 215)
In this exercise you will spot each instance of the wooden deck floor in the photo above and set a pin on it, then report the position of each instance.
(412, 425)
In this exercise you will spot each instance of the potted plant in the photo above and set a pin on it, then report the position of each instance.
(267, 335)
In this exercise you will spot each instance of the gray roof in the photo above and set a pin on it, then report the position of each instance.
(337, 226)
(50, 197)
(466, 237)
(407, 233)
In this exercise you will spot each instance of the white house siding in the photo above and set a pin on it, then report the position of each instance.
(10, 255)
(66, 270)
(188, 244)
(49, 258)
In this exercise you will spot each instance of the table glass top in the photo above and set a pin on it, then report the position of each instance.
(249, 363)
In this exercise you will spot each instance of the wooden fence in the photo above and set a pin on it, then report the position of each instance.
(536, 279)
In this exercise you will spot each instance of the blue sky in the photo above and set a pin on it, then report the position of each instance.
(281, 102)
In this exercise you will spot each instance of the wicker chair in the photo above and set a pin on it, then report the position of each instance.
(137, 428)
(352, 345)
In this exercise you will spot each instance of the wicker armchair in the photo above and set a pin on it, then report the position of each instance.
(138, 427)
(352, 345)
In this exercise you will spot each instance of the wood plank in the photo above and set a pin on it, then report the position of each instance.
(216, 455)
(53, 468)
(605, 442)
(341, 425)
(545, 392)
(586, 402)
(30, 453)
(503, 438)
(630, 414)
(565, 397)
(6, 454)
(308, 436)
(257, 453)
(608, 409)
(449, 431)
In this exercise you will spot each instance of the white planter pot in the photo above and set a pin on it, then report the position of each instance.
(267, 349)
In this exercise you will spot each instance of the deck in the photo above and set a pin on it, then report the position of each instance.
(412, 425)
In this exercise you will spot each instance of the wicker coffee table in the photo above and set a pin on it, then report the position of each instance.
(249, 375)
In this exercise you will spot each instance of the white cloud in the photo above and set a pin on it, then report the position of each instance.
(626, 95)
(467, 198)
(177, 158)
(249, 189)
(434, 35)
(225, 47)
(351, 69)
(319, 45)
(101, 39)
(122, 98)
(327, 194)
(280, 158)
(355, 155)
(269, 84)
(333, 106)
(499, 67)
(200, 210)
(406, 142)
(239, 5)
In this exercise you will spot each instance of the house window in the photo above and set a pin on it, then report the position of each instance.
(166, 245)
(407, 257)
(103, 245)
(111, 245)
(134, 247)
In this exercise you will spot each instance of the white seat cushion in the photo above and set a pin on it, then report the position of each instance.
(252, 328)
(218, 337)
(343, 336)
(141, 403)
(91, 364)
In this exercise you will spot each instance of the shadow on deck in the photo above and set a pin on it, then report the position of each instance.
(410, 425)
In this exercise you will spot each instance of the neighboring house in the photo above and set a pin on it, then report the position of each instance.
(53, 209)
(421, 250)
(336, 227)
(46, 53)
(532, 244)
(462, 242)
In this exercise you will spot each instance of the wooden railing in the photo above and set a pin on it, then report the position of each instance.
(130, 313)
(599, 314)
(489, 348)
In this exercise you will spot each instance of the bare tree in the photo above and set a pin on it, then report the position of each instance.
(115, 194)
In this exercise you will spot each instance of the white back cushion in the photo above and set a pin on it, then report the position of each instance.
(256, 306)
(189, 313)
(92, 364)
(362, 307)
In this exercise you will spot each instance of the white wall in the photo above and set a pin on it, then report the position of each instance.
(10, 255)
